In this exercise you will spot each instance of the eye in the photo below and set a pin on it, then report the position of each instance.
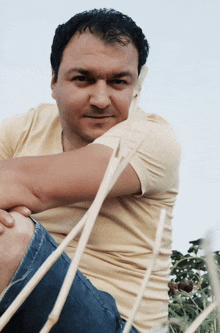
(80, 78)
(119, 81)
(119, 84)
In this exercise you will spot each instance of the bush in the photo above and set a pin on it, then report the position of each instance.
(190, 291)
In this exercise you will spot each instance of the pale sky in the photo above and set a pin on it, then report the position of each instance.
(182, 85)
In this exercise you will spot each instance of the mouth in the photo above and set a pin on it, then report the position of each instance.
(98, 117)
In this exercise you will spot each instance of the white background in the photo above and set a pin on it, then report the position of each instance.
(183, 85)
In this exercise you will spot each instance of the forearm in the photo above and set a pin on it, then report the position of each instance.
(39, 183)
(45, 182)
(16, 187)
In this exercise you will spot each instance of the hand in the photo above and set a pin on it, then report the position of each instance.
(6, 219)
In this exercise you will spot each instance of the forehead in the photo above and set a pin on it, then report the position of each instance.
(88, 50)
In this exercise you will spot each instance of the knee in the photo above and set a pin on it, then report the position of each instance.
(23, 225)
(15, 240)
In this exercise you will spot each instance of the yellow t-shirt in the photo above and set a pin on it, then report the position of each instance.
(120, 246)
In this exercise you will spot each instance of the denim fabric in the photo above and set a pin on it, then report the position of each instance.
(87, 309)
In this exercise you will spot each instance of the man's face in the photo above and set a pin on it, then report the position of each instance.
(94, 87)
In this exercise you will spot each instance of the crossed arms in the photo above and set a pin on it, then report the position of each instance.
(41, 183)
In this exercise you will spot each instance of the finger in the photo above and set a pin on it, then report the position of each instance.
(22, 210)
(1, 229)
(6, 219)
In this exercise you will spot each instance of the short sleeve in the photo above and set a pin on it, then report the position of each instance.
(13, 132)
(157, 160)
(6, 147)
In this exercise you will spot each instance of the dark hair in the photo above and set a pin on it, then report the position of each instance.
(109, 24)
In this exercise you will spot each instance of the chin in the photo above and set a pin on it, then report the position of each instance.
(93, 136)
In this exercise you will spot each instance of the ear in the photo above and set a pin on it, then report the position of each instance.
(53, 84)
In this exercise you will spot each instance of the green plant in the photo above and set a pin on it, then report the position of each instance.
(190, 291)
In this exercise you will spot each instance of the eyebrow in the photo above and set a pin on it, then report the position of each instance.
(89, 73)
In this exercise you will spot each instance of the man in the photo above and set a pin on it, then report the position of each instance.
(96, 59)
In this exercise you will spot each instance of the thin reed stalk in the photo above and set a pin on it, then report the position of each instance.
(215, 284)
(214, 278)
(149, 269)
(193, 327)
(48, 263)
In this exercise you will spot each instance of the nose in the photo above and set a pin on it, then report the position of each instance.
(100, 95)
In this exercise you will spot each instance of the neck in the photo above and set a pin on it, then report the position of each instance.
(69, 145)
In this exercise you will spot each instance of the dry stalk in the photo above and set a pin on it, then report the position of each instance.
(193, 327)
(215, 284)
(48, 263)
(214, 278)
(115, 168)
(156, 249)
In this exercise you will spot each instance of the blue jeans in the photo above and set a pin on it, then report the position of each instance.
(87, 309)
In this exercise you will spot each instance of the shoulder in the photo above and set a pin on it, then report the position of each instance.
(45, 111)
(157, 159)
(15, 130)
(42, 112)
(159, 135)
(147, 127)
(41, 115)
